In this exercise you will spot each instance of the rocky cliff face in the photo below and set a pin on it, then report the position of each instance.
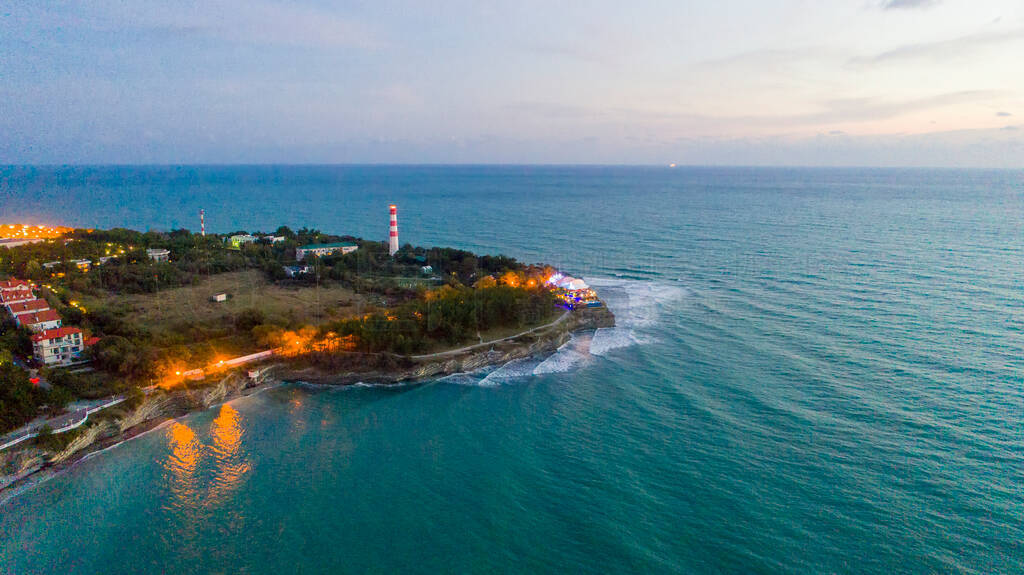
(543, 341)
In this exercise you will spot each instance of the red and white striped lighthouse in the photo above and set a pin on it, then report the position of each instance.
(393, 231)
(202, 222)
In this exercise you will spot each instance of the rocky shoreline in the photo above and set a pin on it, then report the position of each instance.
(21, 468)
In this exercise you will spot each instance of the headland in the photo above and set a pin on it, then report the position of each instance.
(109, 333)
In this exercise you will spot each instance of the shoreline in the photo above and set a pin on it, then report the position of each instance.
(157, 412)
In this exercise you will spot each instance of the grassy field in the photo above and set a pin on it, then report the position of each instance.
(172, 308)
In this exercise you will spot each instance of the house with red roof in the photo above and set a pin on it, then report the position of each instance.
(13, 291)
(28, 306)
(39, 321)
(59, 346)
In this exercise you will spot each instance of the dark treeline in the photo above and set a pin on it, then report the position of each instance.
(449, 315)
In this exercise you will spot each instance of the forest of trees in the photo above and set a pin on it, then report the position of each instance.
(448, 315)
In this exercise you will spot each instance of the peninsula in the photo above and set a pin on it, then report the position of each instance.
(108, 333)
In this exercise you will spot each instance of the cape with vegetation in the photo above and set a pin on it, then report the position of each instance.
(156, 318)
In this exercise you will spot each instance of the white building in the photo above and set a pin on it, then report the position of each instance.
(241, 239)
(14, 291)
(294, 271)
(59, 346)
(321, 250)
(159, 255)
(39, 321)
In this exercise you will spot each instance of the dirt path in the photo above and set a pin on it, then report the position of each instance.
(479, 345)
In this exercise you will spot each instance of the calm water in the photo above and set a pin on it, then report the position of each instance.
(815, 371)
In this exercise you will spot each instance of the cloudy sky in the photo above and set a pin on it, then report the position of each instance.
(783, 82)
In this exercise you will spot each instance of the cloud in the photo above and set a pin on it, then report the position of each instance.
(1003, 114)
(944, 50)
(259, 22)
(1010, 128)
(908, 4)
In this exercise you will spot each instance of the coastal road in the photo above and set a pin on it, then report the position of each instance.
(493, 341)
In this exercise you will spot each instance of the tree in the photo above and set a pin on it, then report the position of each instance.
(34, 271)
(19, 399)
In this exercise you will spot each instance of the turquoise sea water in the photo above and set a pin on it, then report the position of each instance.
(814, 371)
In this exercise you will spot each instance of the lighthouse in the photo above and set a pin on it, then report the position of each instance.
(393, 230)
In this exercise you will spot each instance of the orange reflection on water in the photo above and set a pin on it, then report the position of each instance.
(182, 464)
(227, 440)
(227, 431)
(185, 450)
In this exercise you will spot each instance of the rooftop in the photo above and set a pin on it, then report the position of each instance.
(39, 317)
(334, 245)
(55, 333)
(29, 305)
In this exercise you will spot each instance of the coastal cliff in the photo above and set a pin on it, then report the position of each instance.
(17, 466)
(342, 369)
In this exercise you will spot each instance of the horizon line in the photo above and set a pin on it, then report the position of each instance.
(667, 165)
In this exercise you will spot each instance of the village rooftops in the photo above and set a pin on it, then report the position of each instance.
(13, 295)
(56, 333)
(14, 284)
(45, 318)
(28, 306)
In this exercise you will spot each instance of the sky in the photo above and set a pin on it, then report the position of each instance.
(732, 82)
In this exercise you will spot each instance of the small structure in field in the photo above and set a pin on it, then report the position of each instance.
(219, 297)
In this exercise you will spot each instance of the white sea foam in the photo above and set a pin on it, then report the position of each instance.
(511, 371)
(607, 339)
(637, 305)
(562, 361)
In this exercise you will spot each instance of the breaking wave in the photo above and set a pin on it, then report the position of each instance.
(638, 305)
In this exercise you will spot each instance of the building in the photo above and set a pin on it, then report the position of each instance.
(39, 321)
(159, 255)
(82, 265)
(240, 240)
(28, 306)
(272, 239)
(15, 291)
(427, 270)
(59, 346)
(295, 271)
(321, 250)
(219, 297)
(15, 242)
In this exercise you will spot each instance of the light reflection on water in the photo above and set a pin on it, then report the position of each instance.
(232, 464)
(200, 475)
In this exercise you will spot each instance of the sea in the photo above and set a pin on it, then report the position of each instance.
(813, 371)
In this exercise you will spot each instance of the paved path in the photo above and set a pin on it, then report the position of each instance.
(77, 416)
(486, 343)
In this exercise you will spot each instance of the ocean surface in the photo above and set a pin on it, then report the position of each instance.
(815, 370)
